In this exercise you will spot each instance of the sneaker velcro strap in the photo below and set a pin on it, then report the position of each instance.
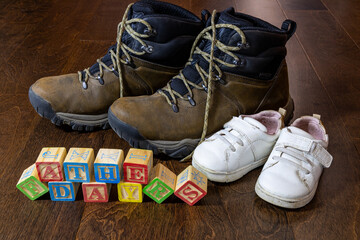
(321, 155)
(312, 148)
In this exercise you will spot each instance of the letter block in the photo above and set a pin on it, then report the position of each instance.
(30, 185)
(162, 183)
(130, 192)
(96, 191)
(49, 164)
(137, 165)
(108, 165)
(63, 191)
(78, 164)
(191, 185)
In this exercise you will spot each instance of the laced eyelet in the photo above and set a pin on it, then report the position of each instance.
(150, 32)
(204, 87)
(243, 46)
(240, 62)
(148, 48)
(84, 85)
(130, 63)
(175, 107)
(191, 100)
(221, 81)
(101, 80)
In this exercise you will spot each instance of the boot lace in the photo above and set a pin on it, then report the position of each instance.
(124, 25)
(206, 77)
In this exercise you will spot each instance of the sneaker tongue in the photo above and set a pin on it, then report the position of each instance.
(252, 122)
(255, 123)
(300, 132)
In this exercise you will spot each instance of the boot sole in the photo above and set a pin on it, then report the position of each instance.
(292, 203)
(78, 122)
(173, 149)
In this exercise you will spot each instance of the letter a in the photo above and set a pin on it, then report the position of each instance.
(95, 194)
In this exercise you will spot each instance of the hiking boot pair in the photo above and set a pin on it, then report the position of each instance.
(153, 43)
(236, 66)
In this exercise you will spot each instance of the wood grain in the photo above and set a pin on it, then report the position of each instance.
(42, 38)
(347, 13)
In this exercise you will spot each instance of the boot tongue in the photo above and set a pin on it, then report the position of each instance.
(138, 10)
(227, 16)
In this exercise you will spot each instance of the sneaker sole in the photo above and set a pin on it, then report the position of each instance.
(77, 122)
(284, 202)
(173, 149)
(224, 177)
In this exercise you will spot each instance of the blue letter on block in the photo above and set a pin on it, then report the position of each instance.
(81, 172)
(108, 173)
(62, 191)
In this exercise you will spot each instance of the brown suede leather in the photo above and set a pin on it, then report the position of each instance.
(154, 118)
(66, 94)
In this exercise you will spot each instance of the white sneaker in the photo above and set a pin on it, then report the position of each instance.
(244, 144)
(290, 176)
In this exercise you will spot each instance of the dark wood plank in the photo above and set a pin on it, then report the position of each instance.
(347, 14)
(336, 59)
(302, 5)
(339, 183)
(17, 20)
(57, 37)
(197, 6)
(266, 10)
(44, 51)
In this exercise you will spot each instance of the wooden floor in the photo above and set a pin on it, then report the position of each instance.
(41, 38)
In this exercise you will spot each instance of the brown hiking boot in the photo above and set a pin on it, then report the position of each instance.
(153, 43)
(246, 59)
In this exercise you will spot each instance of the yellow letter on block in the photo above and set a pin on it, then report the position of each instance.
(130, 192)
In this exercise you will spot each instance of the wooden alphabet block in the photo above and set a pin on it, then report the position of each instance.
(137, 165)
(96, 191)
(191, 185)
(30, 184)
(162, 183)
(108, 165)
(130, 192)
(63, 191)
(78, 164)
(49, 164)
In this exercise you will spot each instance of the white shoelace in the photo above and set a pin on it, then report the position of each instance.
(232, 134)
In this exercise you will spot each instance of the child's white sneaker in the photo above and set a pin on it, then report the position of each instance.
(244, 144)
(291, 174)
